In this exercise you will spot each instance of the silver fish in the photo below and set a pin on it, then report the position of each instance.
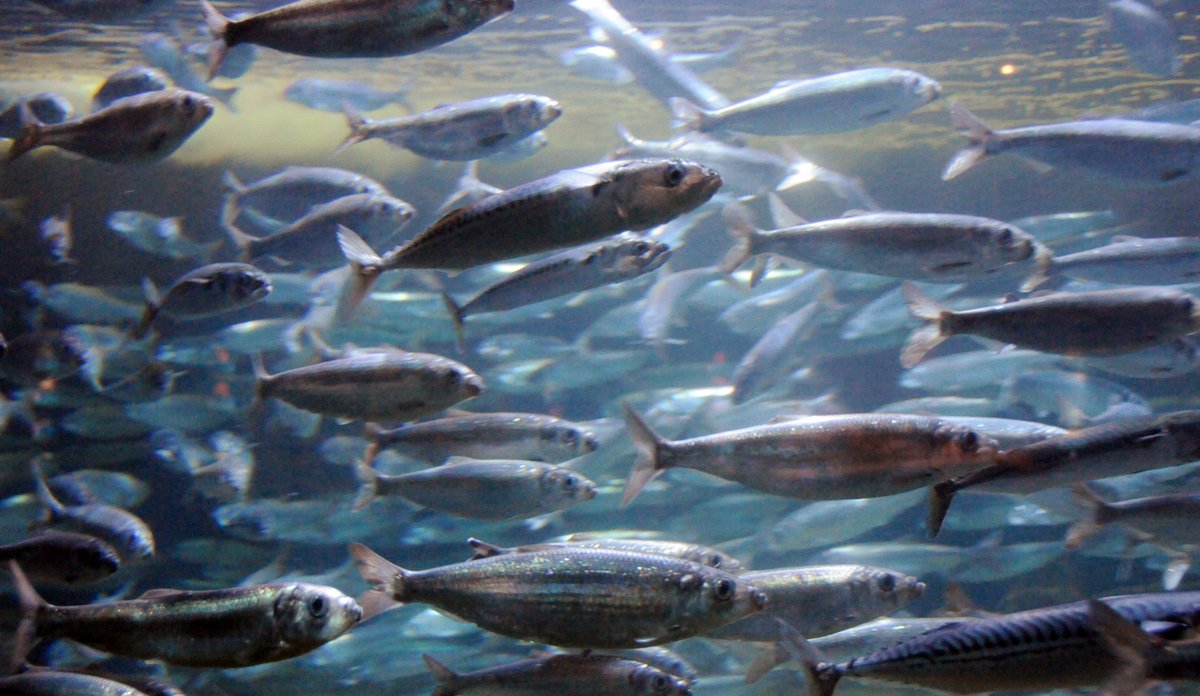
(578, 675)
(292, 191)
(1146, 35)
(47, 107)
(478, 435)
(697, 553)
(127, 533)
(1127, 260)
(161, 236)
(126, 83)
(334, 95)
(164, 51)
(213, 289)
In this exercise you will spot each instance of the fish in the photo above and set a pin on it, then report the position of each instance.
(1121, 447)
(818, 457)
(529, 436)
(46, 107)
(165, 52)
(1164, 518)
(234, 627)
(1132, 151)
(56, 233)
(834, 103)
(596, 63)
(1147, 36)
(292, 191)
(335, 95)
(1035, 650)
(1095, 323)
(63, 557)
(770, 357)
(1129, 260)
(916, 246)
(161, 236)
(311, 238)
(572, 598)
(497, 489)
(35, 356)
(123, 530)
(383, 385)
(974, 370)
(62, 683)
(463, 131)
(142, 128)
(571, 207)
(697, 553)
(206, 291)
(579, 675)
(351, 28)
(126, 83)
(616, 260)
(820, 600)
(99, 9)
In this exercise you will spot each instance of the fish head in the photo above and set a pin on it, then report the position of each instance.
(391, 208)
(964, 448)
(721, 595)
(136, 541)
(715, 559)
(635, 255)
(189, 109)
(920, 88)
(536, 111)
(1011, 242)
(566, 486)
(565, 441)
(648, 680)
(245, 285)
(308, 616)
(652, 192)
(885, 589)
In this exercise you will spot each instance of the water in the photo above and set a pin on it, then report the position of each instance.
(1014, 64)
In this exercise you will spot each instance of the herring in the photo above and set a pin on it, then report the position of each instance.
(335, 95)
(697, 553)
(213, 289)
(530, 436)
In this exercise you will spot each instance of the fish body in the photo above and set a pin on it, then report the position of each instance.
(213, 289)
(744, 169)
(46, 107)
(335, 95)
(373, 386)
(49, 682)
(819, 457)
(1134, 151)
(579, 675)
(597, 63)
(916, 246)
(1036, 650)
(161, 236)
(1169, 520)
(768, 360)
(498, 489)
(584, 598)
(142, 128)
(233, 627)
(828, 104)
(480, 435)
(1101, 322)
(464, 131)
(819, 600)
(974, 370)
(696, 553)
(1134, 261)
(163, 51)
(126, 83)
(1146, 35)
(352, 28)
(64, 557)
(125, 531)
(292, 191)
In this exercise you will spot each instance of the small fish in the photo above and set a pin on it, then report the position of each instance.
(213, 289)
(530, 436)
(464, 131)
(621, 258)
(351, 28)
(571, 207)
(63, 683)
(818, 457)
(383, 385)
(63, 557)
(234, 627)
(292, 191)
(596, 63)
(142, 128)
(498, 489)
(581, 598)
(56, 233)
(46, 107)
(696, 553)
(161, 236)
(1128, 260)
(1135, 151)
(1146, 35)
(1167, 519)
(769, 358)
(829, 104)
(335, 95)
(125, 531)
(578, 675)
(1097, 323)
(125, 83)
(33, 357)
(165, 52)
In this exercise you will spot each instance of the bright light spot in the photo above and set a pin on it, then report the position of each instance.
(1008, 70)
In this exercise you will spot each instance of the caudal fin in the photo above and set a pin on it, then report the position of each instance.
(1094, 516)
(358, 127)
(928, 336)
(456, 315)
(218, 26)
(244, 242)
(365, 267)
(978, 134)
(1132, 647)
(368, 485)
(232, 184)
(737, 221)
(649, 449)
(822, 677)
(29, 137)
(224, 95)
(31, 605)
(447, 679)
(387, 580)
(687, 115)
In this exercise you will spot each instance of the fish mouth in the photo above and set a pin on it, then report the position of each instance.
(918, 590)
(473, 385)
(351, 608)
(712, 183)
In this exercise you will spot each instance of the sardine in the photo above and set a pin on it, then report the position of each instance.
(125, 531)
(578, 675)
(696, 553)
(213, 289)
(478, 435)
(290, 192)
(334, 95)
(64, 557)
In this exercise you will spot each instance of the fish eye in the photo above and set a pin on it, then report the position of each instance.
(887, 582)
(568, 437)
(714, 561)
(724, 589)
(674, 174)
(641, 248)
(1005, 237)
(659, 682)
(569, 482)
(969, 441)
(317, 606)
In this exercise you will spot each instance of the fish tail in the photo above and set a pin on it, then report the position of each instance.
(243, 241)
(365, 266)
(687, 115)
(261, 379)
(30, 136)
(1128, 643)
(650, 446)
(358, 127)
(387, 581)
(368, 485)
(821, 680)
(456, 315)
(150, 313)
(218, 26)
(484, 549)
(927, 337)
(1043, 269)
(447, 679)
(225, 96)
(978, 134)
(32, 605)
(54, 509)
(770, 659)
(940, 496)
(232, 184)
(737, 220)
(1096, 516)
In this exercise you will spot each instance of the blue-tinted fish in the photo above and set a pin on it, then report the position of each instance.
(46, 107)
(336, 95)
(126, 83)
(213, 289)
(164, 52)
(1147, 36)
